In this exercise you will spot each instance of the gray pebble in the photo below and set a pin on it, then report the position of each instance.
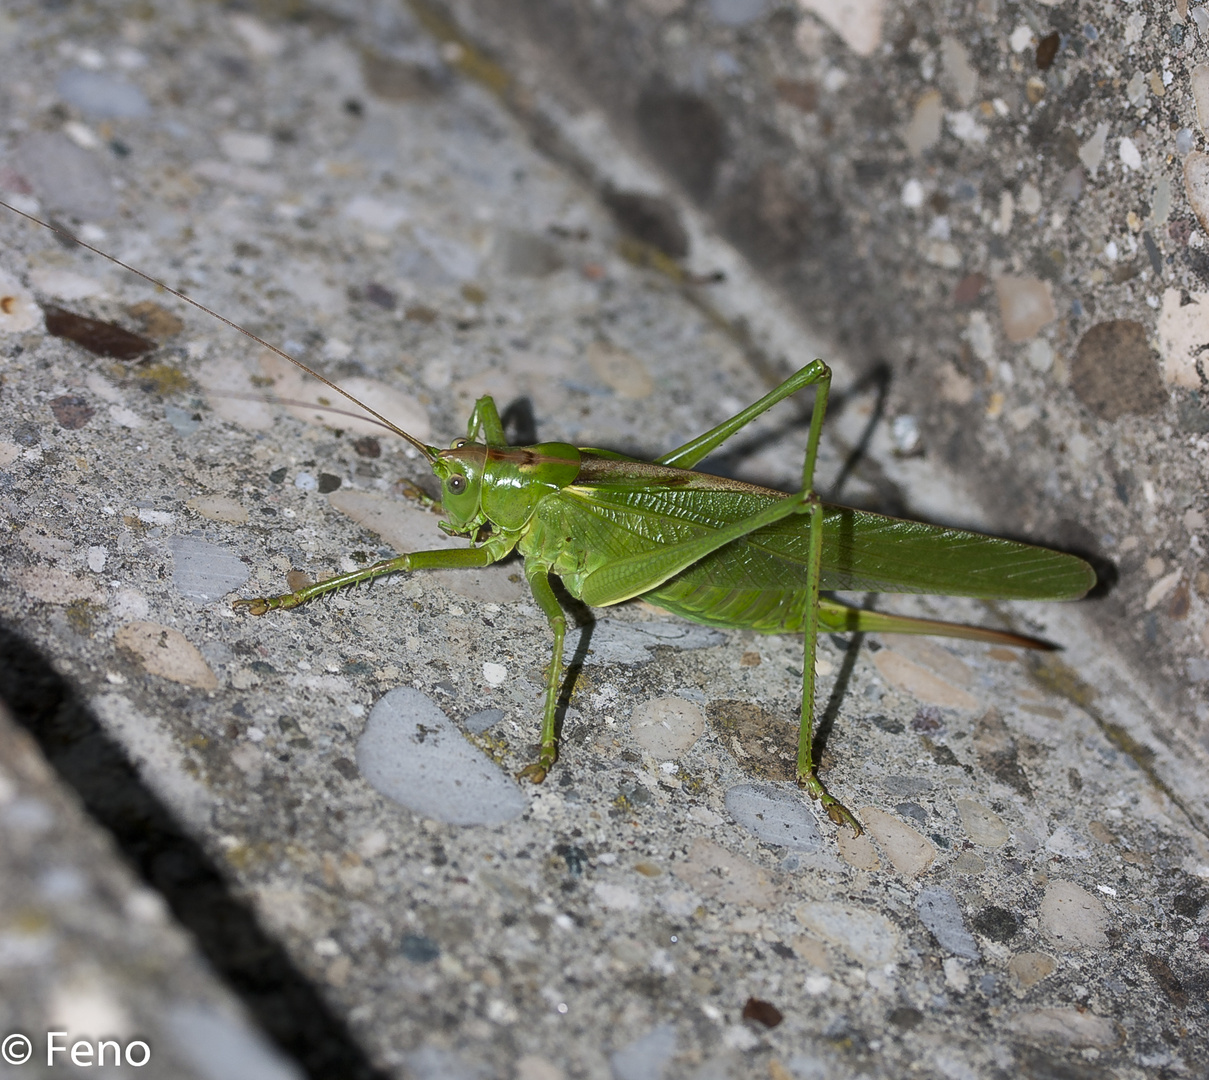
(184, 421)
(868, 938)
(736, 12)
(804, 1067)
(433, 1063)
(27, 815)
(477, 723)
(905, 785)
(525, 253)
(100, 95)
(646, 1058)
(412, 753)
(218, 1046)
(616, 642)
(66, 177)
(775, 815)
(940, 913)
(62, 884)
(205, 571)
(457, 260)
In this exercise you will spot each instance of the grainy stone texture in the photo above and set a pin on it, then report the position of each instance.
(1030, 896)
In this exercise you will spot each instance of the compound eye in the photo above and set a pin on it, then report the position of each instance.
(457, 483)
(457, 444)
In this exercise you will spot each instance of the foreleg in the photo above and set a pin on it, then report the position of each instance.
(441, 559)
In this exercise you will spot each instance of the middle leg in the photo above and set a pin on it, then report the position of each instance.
(539, 584)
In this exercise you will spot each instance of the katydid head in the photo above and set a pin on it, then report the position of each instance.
(460, 469)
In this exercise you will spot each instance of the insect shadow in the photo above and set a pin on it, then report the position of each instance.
(585, 622)
(851, 648)
(520, 422)
(283, 1002)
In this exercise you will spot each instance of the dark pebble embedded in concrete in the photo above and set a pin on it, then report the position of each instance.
(1116, 372)
(72, 412)
(95, 335)
(419, 949)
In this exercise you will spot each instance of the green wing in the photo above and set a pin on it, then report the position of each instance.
(621, 507)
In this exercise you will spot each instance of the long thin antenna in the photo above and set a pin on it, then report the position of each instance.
(294, 403)
(425, 450)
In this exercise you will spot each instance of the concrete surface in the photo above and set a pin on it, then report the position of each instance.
(93, 954)
(1030, 895)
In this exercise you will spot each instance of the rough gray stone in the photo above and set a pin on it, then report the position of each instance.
(776, 815)
(941, 914)
(412, 753)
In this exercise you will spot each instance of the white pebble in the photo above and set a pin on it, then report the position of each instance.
(246, 147)
(1021, 39)
(667, 726)
(1131, 158)
(1040, 355)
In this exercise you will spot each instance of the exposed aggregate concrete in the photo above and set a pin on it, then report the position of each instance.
(1030, 894)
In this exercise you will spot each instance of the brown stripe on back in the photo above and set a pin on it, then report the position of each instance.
(628, 472)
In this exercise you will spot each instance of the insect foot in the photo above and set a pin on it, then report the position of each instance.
(538, 771)
(836, 810)
(262, 604)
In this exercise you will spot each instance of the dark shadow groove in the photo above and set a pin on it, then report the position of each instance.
(827, 718)
(582, 616)
(252, 964)
(879, 376)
